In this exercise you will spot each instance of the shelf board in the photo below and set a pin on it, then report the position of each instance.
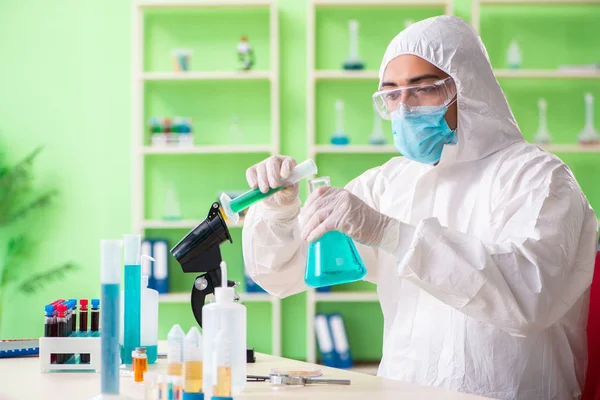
(181, 224)
(540, 2)
(356, 297)
(356, 149)
(208, 149)
(244, 297)
(571, 148)
(381, 3)
(345, 74)
(206, 3)
(545, 73)
(205, 75)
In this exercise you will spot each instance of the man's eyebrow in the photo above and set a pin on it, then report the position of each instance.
(420, 78)
(412, 80)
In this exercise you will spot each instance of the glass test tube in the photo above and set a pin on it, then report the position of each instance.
(133, 293)
(231, 207)
(95, 323)
(61, 329)
(83, 326)
(50, 326)
(110, 278)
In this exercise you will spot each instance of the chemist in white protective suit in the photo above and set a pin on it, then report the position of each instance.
(481, 245)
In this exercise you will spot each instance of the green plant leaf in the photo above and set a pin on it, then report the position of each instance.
(21, 212)
(15, 182)
(39, 280)
(16, 251)
(22, 168)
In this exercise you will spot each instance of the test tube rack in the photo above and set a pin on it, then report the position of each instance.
(70, 345)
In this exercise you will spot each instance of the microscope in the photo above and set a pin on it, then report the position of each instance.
(199, 252)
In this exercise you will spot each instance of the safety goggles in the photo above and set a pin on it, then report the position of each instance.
(439, 93)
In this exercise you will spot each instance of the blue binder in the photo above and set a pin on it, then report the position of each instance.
(325, 340)
(340, 341)
(160, 268)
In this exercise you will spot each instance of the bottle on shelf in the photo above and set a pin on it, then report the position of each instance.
(589, 135)
(377, 137)
(543, 135)
(514, 55)
(353, 62)
(339, 137)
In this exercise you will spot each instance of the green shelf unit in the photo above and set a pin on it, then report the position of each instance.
(212, 92)
(545, 31)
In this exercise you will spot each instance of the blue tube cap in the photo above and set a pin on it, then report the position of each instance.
(95, 303)
(49, 310)
(192, 396)
(73, 303)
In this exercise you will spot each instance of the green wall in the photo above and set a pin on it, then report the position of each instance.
(65, 82)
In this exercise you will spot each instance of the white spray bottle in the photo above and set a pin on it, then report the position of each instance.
(228, 318)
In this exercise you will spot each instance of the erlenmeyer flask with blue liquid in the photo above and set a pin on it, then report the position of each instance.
(333, 258)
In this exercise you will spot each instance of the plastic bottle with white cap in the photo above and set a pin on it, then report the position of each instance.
(228, 319)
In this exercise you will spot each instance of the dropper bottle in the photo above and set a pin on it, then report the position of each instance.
(226, 320)
(192, 366)
(175, 354)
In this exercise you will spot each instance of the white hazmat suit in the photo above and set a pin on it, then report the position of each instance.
(487, 288)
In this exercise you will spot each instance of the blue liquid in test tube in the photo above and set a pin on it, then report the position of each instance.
(133, 299)
(110, 338)
(111, 251)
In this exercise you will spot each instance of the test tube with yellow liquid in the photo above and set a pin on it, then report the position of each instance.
(222, 363)
(192, 365)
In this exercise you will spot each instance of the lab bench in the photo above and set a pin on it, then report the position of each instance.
(20, 378)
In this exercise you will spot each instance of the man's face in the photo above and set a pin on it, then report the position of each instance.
(411, 70)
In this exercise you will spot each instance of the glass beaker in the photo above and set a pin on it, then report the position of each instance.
(333, 258)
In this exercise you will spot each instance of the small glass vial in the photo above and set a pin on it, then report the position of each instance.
(163, 387)
(140, 363)
(177, 382)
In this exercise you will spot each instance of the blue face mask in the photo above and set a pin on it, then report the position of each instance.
(420, 135)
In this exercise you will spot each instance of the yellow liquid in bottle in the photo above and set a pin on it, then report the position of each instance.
(140, 365)
(175, 369)
(223, 386)
(192, 374)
